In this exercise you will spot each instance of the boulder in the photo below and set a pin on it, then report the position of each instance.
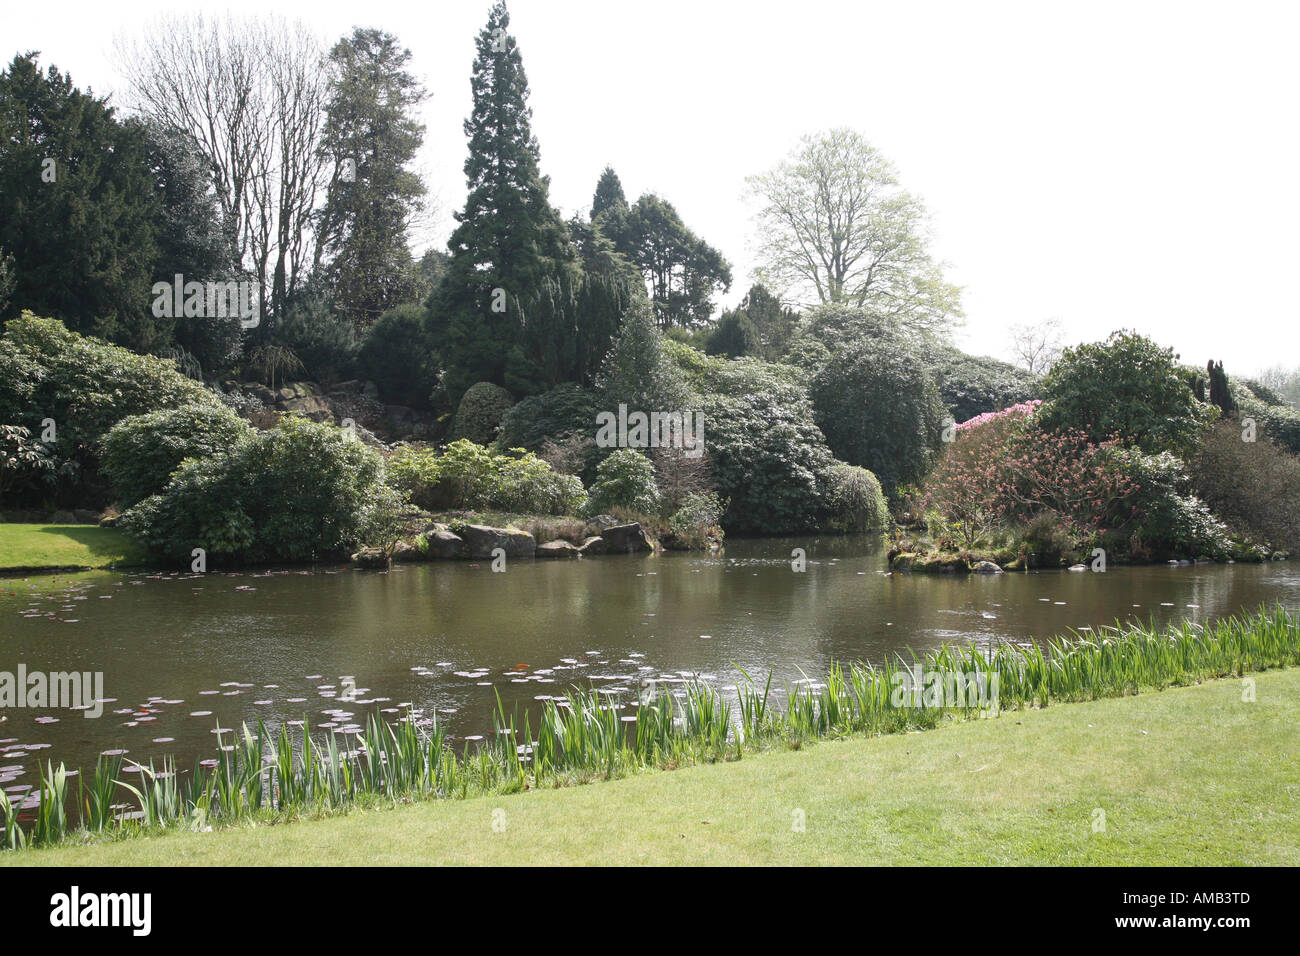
(593, 545)
(373, 559)
(1078, 567)
(987, 567)
(444, 544)
(481, 541)
(559, 548)
(626, 538)
(404, 552)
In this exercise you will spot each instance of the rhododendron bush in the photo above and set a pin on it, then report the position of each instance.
(1003, 469)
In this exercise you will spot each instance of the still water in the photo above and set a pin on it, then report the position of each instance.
(180, 653)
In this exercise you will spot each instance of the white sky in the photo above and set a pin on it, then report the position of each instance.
(1109, 164)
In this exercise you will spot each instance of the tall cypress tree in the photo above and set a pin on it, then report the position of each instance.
(609, 193)
(510, 241)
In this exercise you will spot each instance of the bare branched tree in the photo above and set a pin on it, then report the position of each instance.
(1037, 346)
(250, 92)
(834, 226)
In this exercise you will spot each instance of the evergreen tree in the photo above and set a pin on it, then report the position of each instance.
(370, 137)
(510, 241)
(609, 193)
(78, 211)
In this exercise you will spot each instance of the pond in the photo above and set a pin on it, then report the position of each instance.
(181, 652)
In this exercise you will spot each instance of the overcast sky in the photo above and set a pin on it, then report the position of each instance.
(1109, 164)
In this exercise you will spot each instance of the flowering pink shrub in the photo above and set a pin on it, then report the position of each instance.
(1023, 410)
(1002, 469)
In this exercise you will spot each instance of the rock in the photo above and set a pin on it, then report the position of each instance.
(443, 544)
(988, 567)
(559, 548)
(86, 516)
(481, 541)
(109, 521)
(626, 538)
(405, 553)
(593, 545)
(370, 390)
(1078, 567)
(286, 394)
(310, 406)
(601, 522)
(373, 559)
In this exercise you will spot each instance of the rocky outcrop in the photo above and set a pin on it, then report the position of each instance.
(626, 539)
(593, 545)
(405, 553)
(986, 567)
(481, 541)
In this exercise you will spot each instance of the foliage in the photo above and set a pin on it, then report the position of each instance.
(469, 476)
(85, 386)
(971, 385)
(638, 372)
(509, 240)
(625, 479)
(1279, 424)
(966, 485)
(854, 501)
(682, 271)
(563, 410)
(479, 415)
(879, 409)
(78, 208)
(141, 451)
(695, 521)
(370, 136)
(296, 492)
(1167, 520)
(24, 463)
(1126, 388)
(395, 356)
(323, 340)
(1253, 486)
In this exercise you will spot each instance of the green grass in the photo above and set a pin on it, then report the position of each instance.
(1189, 776)
(34, 547)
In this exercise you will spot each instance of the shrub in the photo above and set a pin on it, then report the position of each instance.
(625, 479)
(1127, 388)
(24, 463)
(324, 341)
(1279, 424)
(86, 386)
(478, 417)
(854, 501)
(969, 385)
(879, 409)
(141, 452)
(1253, 486)
(1167, 520)
(965, 488)
(296, 492)
(564, 410)
(528, 485)
(469, 476)
(395, 356)
(695, 523)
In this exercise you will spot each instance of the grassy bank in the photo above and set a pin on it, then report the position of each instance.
(1190, 776)
(48, 547)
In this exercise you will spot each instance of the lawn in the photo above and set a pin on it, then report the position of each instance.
(1189, 776)
(34, 547)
